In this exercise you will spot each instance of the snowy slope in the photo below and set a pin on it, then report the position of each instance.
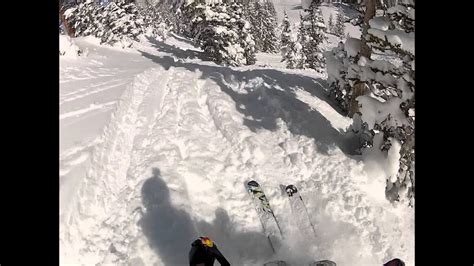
(157, 144)
(294, 7)
(334, 9)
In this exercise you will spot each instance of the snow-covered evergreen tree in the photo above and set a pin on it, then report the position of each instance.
(271, 8)
(267, 16)
(263, 25)
(301, 46)
(312, 35)
(286, 30)
(339, 26)
(331, 24)
(121, 22)
(242, 26)
(190, 15)
(399, 123)
(83, 18)
(288, 44)
(253, 12)
(159, 20)
(291, 55)
(223, 33)
(388, 105)
(117, 21)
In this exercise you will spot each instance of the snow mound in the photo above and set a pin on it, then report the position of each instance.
(68, 48)
(352, 46)
(374, 111)
(381, 23)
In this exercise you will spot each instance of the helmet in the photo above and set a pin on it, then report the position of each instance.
(206, 241)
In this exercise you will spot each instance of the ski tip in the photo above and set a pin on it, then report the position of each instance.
(290, 190)
(276, 263)
(323, 263)
(253, 183)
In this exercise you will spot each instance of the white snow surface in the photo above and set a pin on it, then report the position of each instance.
(352, 46)
(381, 23)
(67, 47)
(156, 145)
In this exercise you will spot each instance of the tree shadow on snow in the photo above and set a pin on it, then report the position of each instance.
(347, 10)
(170, 230)
(270, 94)
(176, 51)
(180, 38)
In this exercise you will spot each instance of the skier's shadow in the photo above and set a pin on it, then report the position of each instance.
(170, 230)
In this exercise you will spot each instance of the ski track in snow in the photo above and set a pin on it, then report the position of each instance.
(184, 138)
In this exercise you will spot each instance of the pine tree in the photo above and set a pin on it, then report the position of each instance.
(311, 36)
(271, 8)
(339, 27)
(242, 26)
(115, 22)
(400, 123)
(191, 16)
(288, 45)
(222, 32)
(121, 23)
(387, 106)
(267, 17)
(301, 45)
(83, 18)
(159, 20)
(331, 24)
(286, 30)
(256, 25)
(262, 18)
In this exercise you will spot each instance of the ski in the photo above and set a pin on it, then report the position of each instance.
(299, 211)
(269, 223)
(276, 263)
(314, 263)
(323, 263)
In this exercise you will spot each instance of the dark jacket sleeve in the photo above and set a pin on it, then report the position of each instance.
(220, 258)
(192, 253)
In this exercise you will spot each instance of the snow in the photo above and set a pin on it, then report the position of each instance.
(67, 47)
(333, 67)
(319, 24)
(305, 4)
(382, 164)
(410, 12)
(327, 10)
(68, 12)
(352, 46)
(382, 65)
(393, 157)
(374, 111)
(381, 23)
(156, 144)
